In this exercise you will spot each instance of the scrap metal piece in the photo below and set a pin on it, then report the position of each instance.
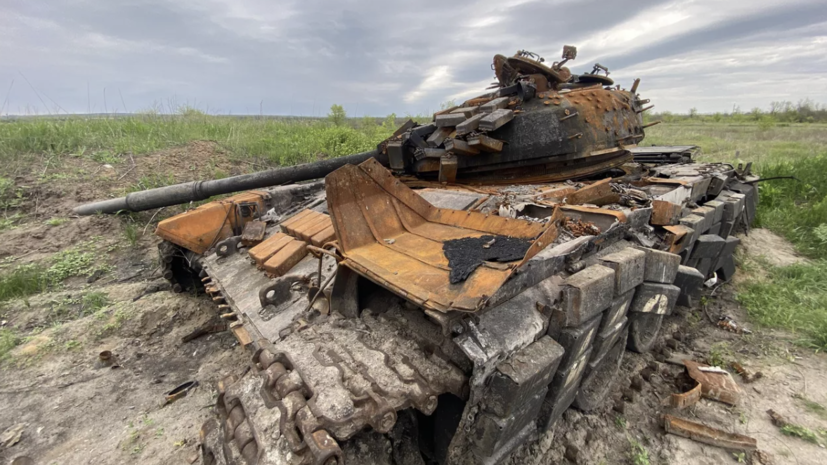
(368, 206)
(708, 435)
(180, 391)
(253, 233)
(685, 399)
(717, 384)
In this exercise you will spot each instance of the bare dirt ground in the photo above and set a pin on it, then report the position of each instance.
(59, 406)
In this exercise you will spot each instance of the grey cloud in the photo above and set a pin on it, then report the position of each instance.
(721, 36)
(300, 57)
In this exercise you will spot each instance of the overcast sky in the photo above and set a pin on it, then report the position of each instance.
(377, 57)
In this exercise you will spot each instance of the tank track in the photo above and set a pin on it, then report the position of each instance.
(180, 267)
(326, 381)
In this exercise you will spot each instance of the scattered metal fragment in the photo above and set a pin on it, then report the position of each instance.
(777, 419)
(179, 392)
(686, 399)
(106, 359)
(717, 384)
(728, 323)
(209, 328)
(747, 375)
(708, 435)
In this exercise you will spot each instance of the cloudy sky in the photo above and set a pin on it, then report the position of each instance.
(376, 57)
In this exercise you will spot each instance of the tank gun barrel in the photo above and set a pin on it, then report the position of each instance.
(200, 190)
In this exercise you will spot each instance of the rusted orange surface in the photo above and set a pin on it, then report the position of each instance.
(287, 257)
(665, 213)
(262, 252)
(600, 211)
(203, 227)
(597, 193)
(716, 385)
(324, 236)
(707, 435)
(686, 399)
(393, 236)
(675, 237)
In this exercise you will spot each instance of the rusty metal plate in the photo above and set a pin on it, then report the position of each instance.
(394, 237)
(717, 384)
(253, 233)
(708, 435)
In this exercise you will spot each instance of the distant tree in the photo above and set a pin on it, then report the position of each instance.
(337, 115)
(693, 112)
(390, 121)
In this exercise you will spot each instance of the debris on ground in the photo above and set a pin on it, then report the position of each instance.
(685, 399)
(107, 359)
(728, 323)
(777, 419)
(716, 383)
(180, 391)
(151, 289)
(747, 375)
(708, 435)
(210, 327)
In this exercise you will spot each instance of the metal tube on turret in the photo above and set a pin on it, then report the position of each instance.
(200, 190)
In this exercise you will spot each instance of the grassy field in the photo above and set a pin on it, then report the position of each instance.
(277, 141)
(792, 298)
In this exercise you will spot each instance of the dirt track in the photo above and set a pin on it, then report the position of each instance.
(73, 412)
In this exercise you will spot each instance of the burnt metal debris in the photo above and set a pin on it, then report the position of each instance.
(371, 342)
(466, 254)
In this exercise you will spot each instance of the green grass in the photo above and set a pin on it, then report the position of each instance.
(278, 141)
(792, 298)
(638, 454)
(797, 209)
(764, 147)
(56, 221)
(23, 281)
(130, 232)
(30, 279)
(8, 341)
(812, 406)
(801, 432)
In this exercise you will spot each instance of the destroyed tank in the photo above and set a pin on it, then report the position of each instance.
(447, 296)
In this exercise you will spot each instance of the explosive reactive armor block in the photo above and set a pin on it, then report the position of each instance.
(689, 281)
(587, 293)
(655, 298)
(661, 267)
(628, 265)
(522, 375)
